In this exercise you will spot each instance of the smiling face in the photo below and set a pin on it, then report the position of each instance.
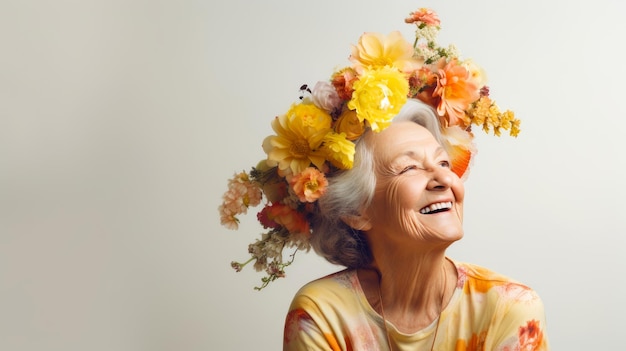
(417, 197)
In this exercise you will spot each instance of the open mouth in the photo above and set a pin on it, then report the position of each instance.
(436, 207)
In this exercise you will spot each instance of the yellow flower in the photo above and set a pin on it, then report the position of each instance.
(339, 150)
(377, 50)
(486, 113)
(299, 135)
(378, 96)
(311, 116)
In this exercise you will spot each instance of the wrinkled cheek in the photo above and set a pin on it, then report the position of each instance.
(458, 189)
(400, 209)
(385, 205)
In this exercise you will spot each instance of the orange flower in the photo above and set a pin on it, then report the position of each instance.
(460, 148)
(293, 221)
(349, 124)
(309, 184)
(456, 90)
(343, 81)
(424, 15)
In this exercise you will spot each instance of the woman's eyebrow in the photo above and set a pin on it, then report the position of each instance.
(412, 153)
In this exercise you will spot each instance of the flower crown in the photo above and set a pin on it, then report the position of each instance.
(316, 136)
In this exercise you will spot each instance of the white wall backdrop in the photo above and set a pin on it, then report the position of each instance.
(121, 120)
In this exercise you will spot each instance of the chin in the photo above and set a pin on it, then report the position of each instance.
(452, 235)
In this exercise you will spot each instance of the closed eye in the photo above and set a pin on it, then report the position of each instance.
(408, 168)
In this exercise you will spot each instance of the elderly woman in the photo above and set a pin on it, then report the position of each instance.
(367, 169)
(390, 219)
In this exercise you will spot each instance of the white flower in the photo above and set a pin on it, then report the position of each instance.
(325, 97)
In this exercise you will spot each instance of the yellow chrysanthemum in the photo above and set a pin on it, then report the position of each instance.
(339, 150)
(378, 96)
(376, 50)
(299, 135)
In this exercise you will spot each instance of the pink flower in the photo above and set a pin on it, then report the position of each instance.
(325, 97)
(241, 194)
(423, 15)
(228, 218)
(309, 184)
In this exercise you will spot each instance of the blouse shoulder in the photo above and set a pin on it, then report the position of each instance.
(340, 285)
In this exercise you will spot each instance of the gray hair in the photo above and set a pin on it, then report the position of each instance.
(352, 190)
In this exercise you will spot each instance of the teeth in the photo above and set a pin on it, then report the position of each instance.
(436, 206)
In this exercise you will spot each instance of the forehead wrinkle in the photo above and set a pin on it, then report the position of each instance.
(414, 155)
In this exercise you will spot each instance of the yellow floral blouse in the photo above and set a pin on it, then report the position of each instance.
(488, 311)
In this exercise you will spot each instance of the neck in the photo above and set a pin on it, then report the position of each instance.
(414, 288)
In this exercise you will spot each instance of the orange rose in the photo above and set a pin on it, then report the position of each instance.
(349, 124)
(343, 81)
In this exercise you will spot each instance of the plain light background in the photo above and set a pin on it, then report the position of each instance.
(121, 121)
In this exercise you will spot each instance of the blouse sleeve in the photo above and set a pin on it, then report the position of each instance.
(303, 330)
(522, 325)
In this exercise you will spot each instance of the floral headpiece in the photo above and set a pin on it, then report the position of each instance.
(316, 136)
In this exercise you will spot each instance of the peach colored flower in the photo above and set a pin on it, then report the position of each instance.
(349, 124)
(228, 218)
(309, 184)
(376, 50)
(242, 193)
(456, 91)
(423, 15)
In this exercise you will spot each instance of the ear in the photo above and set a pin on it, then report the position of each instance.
(358, 222)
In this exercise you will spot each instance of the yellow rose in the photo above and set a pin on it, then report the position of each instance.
(311, 116)
(378, 96)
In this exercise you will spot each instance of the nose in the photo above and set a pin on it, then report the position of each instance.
(441, 179)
